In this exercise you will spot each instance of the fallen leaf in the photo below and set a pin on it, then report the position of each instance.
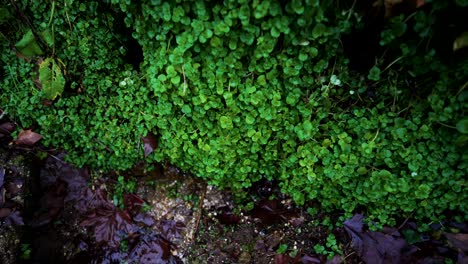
(306, 259)
(227, 217)
(14, 218)
(272, 211)
(286, 259)
(4, 212)
(459, 241)
(7, 128)
(2, 176)
(420, 3)
(110, 225)
(51, 78)
(144, 218)
(150, 143)
(374, 247)
(152, 248)
(27, 137)
(171, 228)
(335, 260)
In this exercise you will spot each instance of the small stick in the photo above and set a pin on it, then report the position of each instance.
(200, 212)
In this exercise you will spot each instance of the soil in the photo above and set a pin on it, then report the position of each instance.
(52, 212)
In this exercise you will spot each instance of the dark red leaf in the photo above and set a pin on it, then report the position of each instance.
(2, 176)
(227, 217)
(6, 128)
(150, 143)
(459, 241)
(2, 196)
(306, 259)
(93, 199)
(27, 137)
(133, 203)
(4, 212)
(270, 211)
(335, 260)
(14, 187)
(144, 218)
(14, 218)
(286, 259)
(171, 229)
(75, 179)
(109, 225)
(374, 247)
(152, 248)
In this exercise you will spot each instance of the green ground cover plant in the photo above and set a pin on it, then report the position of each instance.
(237, 91)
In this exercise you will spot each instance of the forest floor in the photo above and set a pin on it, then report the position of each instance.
(52, 212)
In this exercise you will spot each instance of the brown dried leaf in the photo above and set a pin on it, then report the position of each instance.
(27, 137)
(150, 143)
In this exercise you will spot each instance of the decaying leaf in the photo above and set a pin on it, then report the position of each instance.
(51, 78)
(396, 7)
(374, 247)
(14, 218)
(171, 228)
(7, 128)
(27, 137)
(459, 241)
(110, 225)
(306, 259)
(226, 216)
(150, 143)
(2, 176)
(286, 259)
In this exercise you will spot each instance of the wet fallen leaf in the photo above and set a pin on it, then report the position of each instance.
(150, 143)
(374, 247)
(271, 211)
(2, 176)
(14, 218)
(335, 260)
(110, 225)
(27, 137)
(144, 218)
(459, 241)
(171, 229)
(227, 217)
(306, 259)
(133, 203)
(152, 248)
(4, 212)
(286, 259)
(7, 127)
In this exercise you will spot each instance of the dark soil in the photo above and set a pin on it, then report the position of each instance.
(52, 212)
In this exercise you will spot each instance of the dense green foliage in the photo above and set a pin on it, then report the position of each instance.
(240, 90)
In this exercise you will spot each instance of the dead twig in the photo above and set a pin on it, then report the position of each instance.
(200, 212)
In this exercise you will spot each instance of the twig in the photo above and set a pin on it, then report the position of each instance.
(404, 223)
(445, 125)
(349, 255)
(200, 212)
